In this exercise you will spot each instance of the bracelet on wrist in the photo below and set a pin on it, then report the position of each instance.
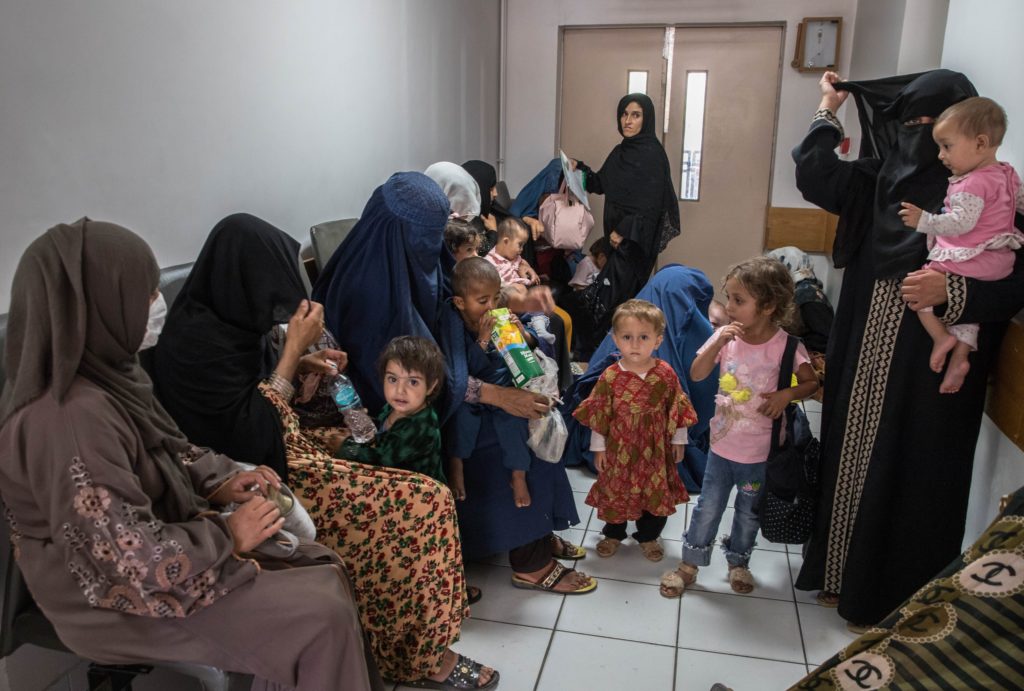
(828, 116)
(281, 386)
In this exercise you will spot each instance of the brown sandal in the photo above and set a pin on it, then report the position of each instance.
(741, 580)
(673, 583)
(653, 550)
(608, 547)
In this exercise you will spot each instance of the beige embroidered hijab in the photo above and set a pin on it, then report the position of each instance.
(79, 306)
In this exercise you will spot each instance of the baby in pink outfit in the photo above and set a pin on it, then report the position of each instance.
(507, 255)
(974, 236)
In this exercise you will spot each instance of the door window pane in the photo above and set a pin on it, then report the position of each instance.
(636, 82)
(693, 134)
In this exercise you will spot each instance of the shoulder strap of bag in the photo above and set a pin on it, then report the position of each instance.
(785, 380)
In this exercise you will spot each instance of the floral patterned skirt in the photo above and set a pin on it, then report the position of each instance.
(396, 531)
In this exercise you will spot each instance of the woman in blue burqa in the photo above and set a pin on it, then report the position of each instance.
(390, 278)
(683, 293)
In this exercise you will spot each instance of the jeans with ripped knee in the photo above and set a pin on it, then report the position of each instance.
(720, 477)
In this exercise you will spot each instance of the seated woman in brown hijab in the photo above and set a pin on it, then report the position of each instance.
(111, 529)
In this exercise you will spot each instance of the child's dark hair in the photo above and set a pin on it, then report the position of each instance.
(976, 115)
(599, 246)
(510, 227)
(641, 310)
(458, 233)
(473, 271)
(769, 283)
(415, 354)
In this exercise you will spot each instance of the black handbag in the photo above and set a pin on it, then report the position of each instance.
(790, 497)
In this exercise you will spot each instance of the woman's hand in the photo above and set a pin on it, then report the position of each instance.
(490, 222)
(614, 239)
(305, 327)
(245, 485)
(537, 299)
(327, 361)
(924, 288)
(522, 403)
(830, 98)
(255, 521)
(535, 226)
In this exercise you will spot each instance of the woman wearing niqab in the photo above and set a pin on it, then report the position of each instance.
(896, 455)
(105, 495)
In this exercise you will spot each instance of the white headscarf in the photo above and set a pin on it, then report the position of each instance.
(796, 260)
(459, 186)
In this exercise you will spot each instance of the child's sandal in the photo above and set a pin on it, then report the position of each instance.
(608, 546)
(673, 583)
(653, 550)
(741, 580)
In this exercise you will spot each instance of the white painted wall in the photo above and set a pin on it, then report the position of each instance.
(982, 41)
(921, 38)
(533, 58)
(166, 116)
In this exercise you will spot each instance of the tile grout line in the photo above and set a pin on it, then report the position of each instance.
(796, 607)
(551, 640)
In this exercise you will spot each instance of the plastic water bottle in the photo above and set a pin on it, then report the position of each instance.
(347, 399)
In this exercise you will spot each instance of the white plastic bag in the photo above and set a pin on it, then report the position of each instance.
(548, 434)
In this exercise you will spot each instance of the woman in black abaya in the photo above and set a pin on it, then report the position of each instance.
(641, 212)
(896, 454)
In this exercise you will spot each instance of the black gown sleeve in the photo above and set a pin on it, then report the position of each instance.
(839, 187)
(591, 180)
(971, 301)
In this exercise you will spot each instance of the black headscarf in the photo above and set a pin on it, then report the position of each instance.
(637, 180)
(79, 307)
(486, 178)
(906, 158)
(214, 349)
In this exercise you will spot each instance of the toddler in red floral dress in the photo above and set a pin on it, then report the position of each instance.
(638, 415)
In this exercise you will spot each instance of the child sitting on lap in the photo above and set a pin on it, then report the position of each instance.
(476, 287)
(749, 353)
(462, 239)
(507, 255)
(974, 236)
(412, 369)
(638, 415)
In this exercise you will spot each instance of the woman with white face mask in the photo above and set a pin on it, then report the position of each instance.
(106, 496)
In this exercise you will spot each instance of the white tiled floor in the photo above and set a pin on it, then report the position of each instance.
(625, 635)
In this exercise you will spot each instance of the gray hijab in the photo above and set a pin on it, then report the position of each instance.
(79, 306)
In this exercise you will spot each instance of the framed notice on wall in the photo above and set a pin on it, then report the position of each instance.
(817, 44)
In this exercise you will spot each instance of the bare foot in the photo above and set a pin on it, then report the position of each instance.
(448, 664)
(520, 491)
(456, 478)
(940, 350)
(955, 375)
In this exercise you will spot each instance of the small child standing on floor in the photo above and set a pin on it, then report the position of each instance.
(749, 353)
(974, 236)
(412, 370)
(638, 415)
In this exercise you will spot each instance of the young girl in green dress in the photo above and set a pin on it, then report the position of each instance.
(411, 369)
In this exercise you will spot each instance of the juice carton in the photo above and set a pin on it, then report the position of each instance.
(517, 354)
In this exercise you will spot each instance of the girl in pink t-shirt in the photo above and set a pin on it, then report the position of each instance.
(748, 352)
(974, 236)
